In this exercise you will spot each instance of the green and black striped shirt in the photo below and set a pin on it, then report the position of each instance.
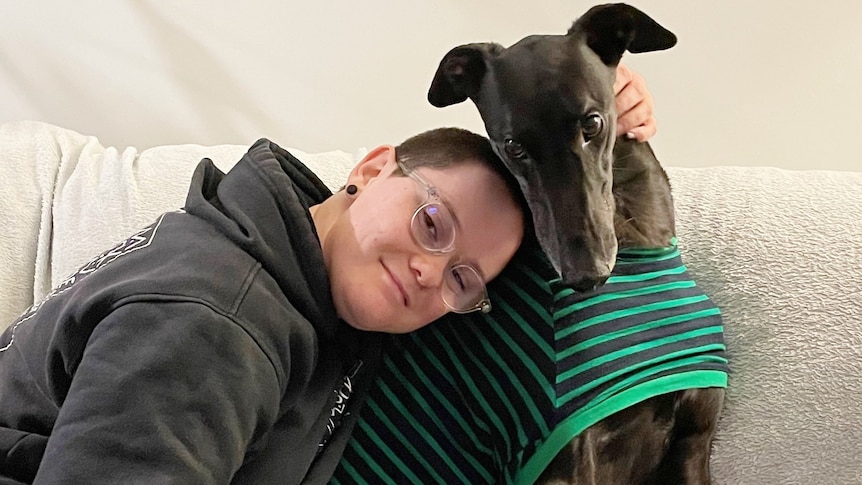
(493, 398)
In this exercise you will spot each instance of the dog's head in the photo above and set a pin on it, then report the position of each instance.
(548, 106)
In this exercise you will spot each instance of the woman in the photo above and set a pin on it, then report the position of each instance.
(170, 357)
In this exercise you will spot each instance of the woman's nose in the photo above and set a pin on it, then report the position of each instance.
(429, 269)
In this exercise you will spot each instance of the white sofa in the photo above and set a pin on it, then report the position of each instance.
(779, 251)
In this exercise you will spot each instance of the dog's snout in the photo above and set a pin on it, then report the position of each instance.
(586, 284)
(587, 264)
(601, 280)
(583, 280)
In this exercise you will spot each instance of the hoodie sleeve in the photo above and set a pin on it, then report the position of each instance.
(172, 392)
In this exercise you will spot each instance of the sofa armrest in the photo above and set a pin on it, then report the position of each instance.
(780, 252)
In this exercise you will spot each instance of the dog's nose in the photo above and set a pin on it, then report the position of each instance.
(585, 284)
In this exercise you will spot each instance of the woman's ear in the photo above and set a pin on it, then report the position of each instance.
(377, 162)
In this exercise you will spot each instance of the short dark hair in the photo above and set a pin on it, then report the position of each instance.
(445, 147)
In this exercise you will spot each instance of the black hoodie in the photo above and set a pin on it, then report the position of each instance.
(203, 349)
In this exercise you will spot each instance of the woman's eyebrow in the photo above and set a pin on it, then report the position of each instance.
(458, 227)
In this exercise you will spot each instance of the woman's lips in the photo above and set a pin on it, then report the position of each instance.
(397, 283)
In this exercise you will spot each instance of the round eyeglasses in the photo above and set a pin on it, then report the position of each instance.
(433, 228)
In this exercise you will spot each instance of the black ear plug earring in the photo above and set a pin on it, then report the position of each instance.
(351, 189)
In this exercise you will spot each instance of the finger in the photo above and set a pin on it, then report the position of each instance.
(623, 77)
(638, 115)
(627, 98)
(635, 89)
(644, 132)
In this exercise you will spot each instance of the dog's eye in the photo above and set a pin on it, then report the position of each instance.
(514, 149)
(593, 125)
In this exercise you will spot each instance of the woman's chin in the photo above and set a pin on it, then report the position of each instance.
(373, 313)
(387, 325)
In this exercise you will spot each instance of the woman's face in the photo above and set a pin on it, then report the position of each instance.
(381, 279)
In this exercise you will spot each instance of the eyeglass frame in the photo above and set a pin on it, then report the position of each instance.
(433, 197)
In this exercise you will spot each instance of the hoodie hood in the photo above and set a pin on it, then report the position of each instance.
(272, 224)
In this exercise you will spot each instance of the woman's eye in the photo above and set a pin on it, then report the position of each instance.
(459, 279)
(515, 149)
(592, 126)
(428, 223)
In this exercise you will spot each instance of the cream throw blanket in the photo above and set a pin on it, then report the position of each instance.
(779, 251)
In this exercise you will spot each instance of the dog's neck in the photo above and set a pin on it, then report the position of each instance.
(644, 207)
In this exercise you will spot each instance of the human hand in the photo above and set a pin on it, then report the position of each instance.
(635, 117)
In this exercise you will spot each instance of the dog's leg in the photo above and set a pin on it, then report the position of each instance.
(624, 448)
(687, 458)
(574, 464)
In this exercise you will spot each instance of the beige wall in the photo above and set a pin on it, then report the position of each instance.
(750, 83)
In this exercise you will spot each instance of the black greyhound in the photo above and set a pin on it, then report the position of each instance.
(547, 103)
(556, 386)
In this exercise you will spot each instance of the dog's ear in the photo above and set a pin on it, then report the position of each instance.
(612, 29)
(460, 73)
